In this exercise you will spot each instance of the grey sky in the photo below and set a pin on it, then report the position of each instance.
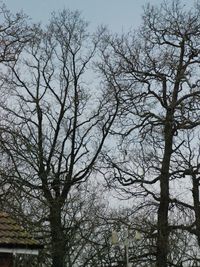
(117, 14)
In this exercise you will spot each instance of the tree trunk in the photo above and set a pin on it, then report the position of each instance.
(57, 235)
(163, 232)
(195, 193)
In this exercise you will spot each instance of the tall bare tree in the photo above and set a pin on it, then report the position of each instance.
(55, 123)
(156, 74)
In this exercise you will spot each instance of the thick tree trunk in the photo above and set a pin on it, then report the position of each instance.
(57, 236)
(163, 231)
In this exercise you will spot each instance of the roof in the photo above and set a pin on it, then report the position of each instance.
(13, 235)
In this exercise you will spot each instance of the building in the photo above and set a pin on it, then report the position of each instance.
(14, 240)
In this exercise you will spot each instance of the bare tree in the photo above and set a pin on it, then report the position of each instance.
(54, 124)
(15, 33)
(155, 72)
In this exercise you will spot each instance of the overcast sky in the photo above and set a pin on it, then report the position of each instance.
(117, 14)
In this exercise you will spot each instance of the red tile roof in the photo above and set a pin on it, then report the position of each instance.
(14, 236)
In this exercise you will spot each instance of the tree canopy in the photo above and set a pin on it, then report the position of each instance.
(83, 115)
